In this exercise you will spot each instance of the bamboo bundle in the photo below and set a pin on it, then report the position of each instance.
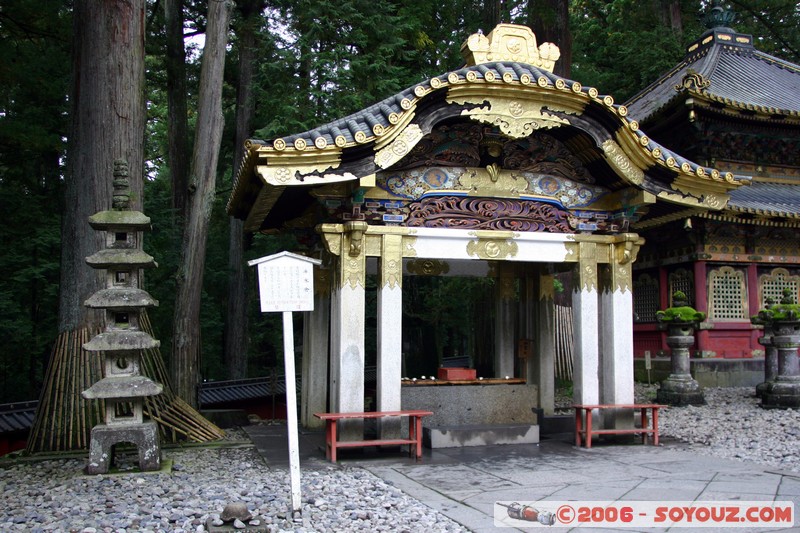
(64, 419)
(564, 342)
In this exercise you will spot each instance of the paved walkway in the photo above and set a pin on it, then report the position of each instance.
(465, 483)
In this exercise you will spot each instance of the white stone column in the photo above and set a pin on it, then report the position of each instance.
(347, 338)
(544, 363)
(314, 395)
(616, 342)
(505, 322)
(586, 384)
(390, 322)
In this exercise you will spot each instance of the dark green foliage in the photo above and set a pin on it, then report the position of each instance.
(619, 46)
(446, 317)
(34, 67)
(774, 24)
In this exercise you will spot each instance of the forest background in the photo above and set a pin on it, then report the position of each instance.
(304, 62)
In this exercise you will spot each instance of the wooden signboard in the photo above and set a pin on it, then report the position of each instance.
(286, 284)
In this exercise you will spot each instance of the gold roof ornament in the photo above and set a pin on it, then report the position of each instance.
(509, 42)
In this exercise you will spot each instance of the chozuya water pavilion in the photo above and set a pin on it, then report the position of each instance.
(500, 168)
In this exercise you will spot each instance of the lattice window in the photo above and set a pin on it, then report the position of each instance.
(682, 280)
(645, 298)
(771, 285)
(727, 294)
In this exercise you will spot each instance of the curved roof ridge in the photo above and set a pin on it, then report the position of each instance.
(372, 121)
(710, 62)
(777, 61)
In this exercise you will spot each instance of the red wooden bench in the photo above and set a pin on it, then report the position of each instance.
(585, 411)
(414, 439)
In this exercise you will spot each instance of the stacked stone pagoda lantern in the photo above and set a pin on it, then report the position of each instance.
(680, 388)
(783, 322)
(123, 387)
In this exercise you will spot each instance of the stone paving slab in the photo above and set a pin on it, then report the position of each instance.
(465, 483)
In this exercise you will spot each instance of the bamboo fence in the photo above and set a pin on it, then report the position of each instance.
(564, 342)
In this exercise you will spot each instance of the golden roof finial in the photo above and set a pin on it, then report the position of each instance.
(509, 42)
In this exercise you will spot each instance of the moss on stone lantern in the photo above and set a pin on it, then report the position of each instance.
(680, 311)
(680, 388)
(782, 322)
(785, 311)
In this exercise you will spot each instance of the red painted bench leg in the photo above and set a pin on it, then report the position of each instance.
(578, 426)
(588, 428)
(418, 436)
(332, 440)
(655, 426)
(644, 425)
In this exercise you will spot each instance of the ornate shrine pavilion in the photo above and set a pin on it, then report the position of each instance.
(731, 106)
(499, 169)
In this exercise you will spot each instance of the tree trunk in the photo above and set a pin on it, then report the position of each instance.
(186, 346)
(108, 118)
(549, 20)
(178, 119)
(492, 14)
(673, 9)
(236, 319)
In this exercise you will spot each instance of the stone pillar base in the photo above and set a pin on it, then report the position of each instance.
(678, 392)
(144, 436)
(761, 389)
(781, 395)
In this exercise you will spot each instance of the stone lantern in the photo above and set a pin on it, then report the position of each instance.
(784, 323)
(680, 388)
(123, 387)
(770, 353)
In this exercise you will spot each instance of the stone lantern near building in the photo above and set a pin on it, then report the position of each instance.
(680, 388)
(770, 353)
(123, 387)
(783, 321)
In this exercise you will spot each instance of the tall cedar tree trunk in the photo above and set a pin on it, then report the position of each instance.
(236, 319)
(108, 118)
(107, 123)
(186, 345)
(178, 122)
(670, 14)
(549, 20)
(492, 14)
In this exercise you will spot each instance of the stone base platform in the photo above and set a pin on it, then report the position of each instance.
(479, 435)
(103, 439)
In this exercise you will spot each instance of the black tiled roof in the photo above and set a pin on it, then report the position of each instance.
(217, 392)
(373, 120)
(740, 76)
(777, 199)
(17, 416)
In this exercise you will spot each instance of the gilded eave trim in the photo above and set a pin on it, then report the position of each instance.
(793, 222)
(733, 108)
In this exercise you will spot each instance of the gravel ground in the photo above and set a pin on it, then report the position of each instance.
(732, 425)
(54, 495)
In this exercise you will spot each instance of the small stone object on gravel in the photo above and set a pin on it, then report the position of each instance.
(235, 511)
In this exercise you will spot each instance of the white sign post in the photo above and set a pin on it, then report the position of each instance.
(286, 284)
